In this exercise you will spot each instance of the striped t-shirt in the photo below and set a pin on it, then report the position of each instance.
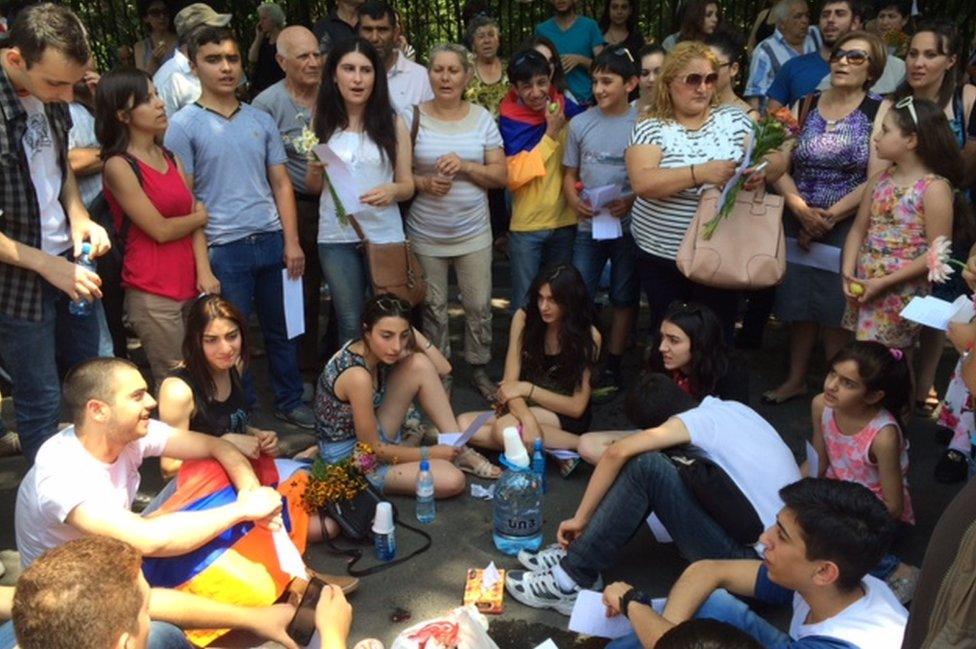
(658, 225)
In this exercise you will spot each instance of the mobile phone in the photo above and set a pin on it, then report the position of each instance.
(302, 625)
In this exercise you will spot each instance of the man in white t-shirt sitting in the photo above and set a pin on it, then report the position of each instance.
(633, 478)
(826, 538)
(85, 478)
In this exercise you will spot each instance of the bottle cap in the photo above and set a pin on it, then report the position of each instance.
(86, 248)
(537, 444)
(514, 448)
(383, 520)
(425, 465)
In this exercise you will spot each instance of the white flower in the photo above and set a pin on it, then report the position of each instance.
(938, 260)
(306, 142)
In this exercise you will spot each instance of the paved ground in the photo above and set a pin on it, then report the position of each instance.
(434, 581)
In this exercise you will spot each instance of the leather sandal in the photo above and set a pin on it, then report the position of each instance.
(473, 462)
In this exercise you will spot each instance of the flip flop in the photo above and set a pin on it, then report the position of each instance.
(481, 466)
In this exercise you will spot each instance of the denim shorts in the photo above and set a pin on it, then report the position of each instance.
(332, 452)
(590, 256)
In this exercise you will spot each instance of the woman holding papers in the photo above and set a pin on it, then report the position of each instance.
(371, 145)
(832, 157)
(457, 157)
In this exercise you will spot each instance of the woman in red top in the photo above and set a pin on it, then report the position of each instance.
(160, 225)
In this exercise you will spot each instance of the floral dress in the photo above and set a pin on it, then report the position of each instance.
(895, 237)
(956, 413)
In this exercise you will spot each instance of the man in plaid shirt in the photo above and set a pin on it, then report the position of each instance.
(43, 221)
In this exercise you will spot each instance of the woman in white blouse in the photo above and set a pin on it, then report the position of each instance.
(457, 157)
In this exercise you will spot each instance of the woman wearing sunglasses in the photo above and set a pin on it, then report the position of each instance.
(934, 72)
(368, 388)
(685, 140)
(831, 159)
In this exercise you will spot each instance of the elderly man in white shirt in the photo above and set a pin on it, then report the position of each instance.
(793, 36)
(409, 82)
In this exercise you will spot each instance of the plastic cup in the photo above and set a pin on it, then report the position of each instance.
(383, 520)
(515, 452)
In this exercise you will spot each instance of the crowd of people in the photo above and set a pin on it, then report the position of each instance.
(192, 190)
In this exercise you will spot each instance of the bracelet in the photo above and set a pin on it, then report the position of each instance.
(693, 179)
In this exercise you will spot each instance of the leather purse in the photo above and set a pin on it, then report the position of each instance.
(747, 249)
(393, 268)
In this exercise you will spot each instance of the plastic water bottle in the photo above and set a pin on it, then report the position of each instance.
(384, 532)
(426, 509)
(518, 500)
(82, 308)
(539, 462)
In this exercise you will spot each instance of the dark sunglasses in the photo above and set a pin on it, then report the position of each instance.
(695, 80)
(854, 57)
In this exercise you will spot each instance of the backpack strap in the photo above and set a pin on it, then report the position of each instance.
(805, 105)
(126, 221)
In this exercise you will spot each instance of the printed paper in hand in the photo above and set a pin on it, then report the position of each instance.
(733, 181)
(346, 187)
(937, 314)
(288, 556)
(294, 304)
(605, 225)
(590, 617)
(460, 439)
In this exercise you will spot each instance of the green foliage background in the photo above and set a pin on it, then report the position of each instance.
(429, 22)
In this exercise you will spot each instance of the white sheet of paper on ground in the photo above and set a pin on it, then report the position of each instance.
(346, 186)
(482, 493)
(548, 644)
(562, 453)
(590, 617)
(289, 558)
(660, 532)
(819, 255)
(813, 461)
(606, 226)
(933, 312)
(294, 304)
(490, 577)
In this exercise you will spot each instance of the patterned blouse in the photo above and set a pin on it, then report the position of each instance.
(333, 416)
(488, 96)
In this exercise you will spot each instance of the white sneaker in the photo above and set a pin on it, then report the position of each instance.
(540, 590)
(542, 560)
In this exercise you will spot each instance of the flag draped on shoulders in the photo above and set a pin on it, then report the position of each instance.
(521, 127)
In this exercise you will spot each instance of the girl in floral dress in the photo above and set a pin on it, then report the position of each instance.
(904, 209)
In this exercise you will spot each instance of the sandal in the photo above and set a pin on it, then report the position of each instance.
(473, 462)
(487, 388)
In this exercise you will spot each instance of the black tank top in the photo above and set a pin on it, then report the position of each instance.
(216, 417)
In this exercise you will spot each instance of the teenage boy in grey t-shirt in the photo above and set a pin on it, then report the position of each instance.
(235, 163)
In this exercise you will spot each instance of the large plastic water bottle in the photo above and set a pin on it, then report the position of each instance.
(384, 532)
(539, 462)
(82, 308)
(518, 500)
(426, 509)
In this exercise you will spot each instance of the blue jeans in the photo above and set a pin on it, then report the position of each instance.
(530, 252)
(648, 483)
(161, 636)
(344, 270)
(590, 256)
(37, 355)
(249, 271)
(724, 607)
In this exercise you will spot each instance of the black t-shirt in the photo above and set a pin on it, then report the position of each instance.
(332, 30)
(216, 417)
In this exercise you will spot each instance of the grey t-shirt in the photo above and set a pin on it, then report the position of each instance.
(291, 118)
(595, 145)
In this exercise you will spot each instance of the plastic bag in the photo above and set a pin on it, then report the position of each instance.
(462, 628)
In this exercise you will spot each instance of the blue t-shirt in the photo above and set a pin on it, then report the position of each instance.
(228, 158)
(581, 37)
(797, 78)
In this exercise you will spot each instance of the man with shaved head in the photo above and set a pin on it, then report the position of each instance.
(290, 103)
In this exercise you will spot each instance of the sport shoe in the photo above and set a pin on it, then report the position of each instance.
(542, 560)
(540, 590)
(301, 416)
(9, 444)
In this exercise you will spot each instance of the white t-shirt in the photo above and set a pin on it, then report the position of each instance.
(409, 84)
(176, 85)
(877, 620)
(46, 176)
(66, 475)
(457, 223)
(82, 136)
(750, 451)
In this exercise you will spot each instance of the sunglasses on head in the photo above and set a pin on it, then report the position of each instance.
(623, 51)
(909, 103)
(393, 304)
(695, 79)
(854, 57)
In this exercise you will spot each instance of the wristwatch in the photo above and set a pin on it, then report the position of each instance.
(631, 595)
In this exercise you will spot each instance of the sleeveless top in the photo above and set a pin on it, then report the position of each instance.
(164, 269)
(333, 416)
(850, 456)
(553, 376)
(216, 417)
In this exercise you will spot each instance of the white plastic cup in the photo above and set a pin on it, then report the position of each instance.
(383, 520)
(515, 452)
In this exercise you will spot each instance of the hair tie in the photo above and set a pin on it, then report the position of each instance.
(897, 354)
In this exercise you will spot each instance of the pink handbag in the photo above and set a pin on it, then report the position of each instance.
(747, 249)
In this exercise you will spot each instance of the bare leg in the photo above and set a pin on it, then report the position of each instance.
(552, 435)
(483, 438)
(415, 377)
(401, 479)
(931, 345)
(620, 326)
(315, 531)
(592, 445)
(803, 336)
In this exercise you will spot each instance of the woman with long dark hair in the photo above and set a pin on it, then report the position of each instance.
(548, 49)
(691, 350)
(160, 225)
(353, 115)
(619, 26)
(553, 346)
(698, 20)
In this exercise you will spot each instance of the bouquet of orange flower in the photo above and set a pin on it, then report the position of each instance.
(769, 134)
(339, 481)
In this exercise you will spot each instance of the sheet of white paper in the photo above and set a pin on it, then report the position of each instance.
(346, 186)
(929, 311)
(819, 255)
(590, 617)
(482, 493)
(964, 309)
(813, 461)
(746, 161)
(472, 428)
(448, 439)
(548, 644)
(562, 453)
(490, 576)
(289, 558)
(606, 226)
(601, 196)
(294, 303)
(660, 532)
